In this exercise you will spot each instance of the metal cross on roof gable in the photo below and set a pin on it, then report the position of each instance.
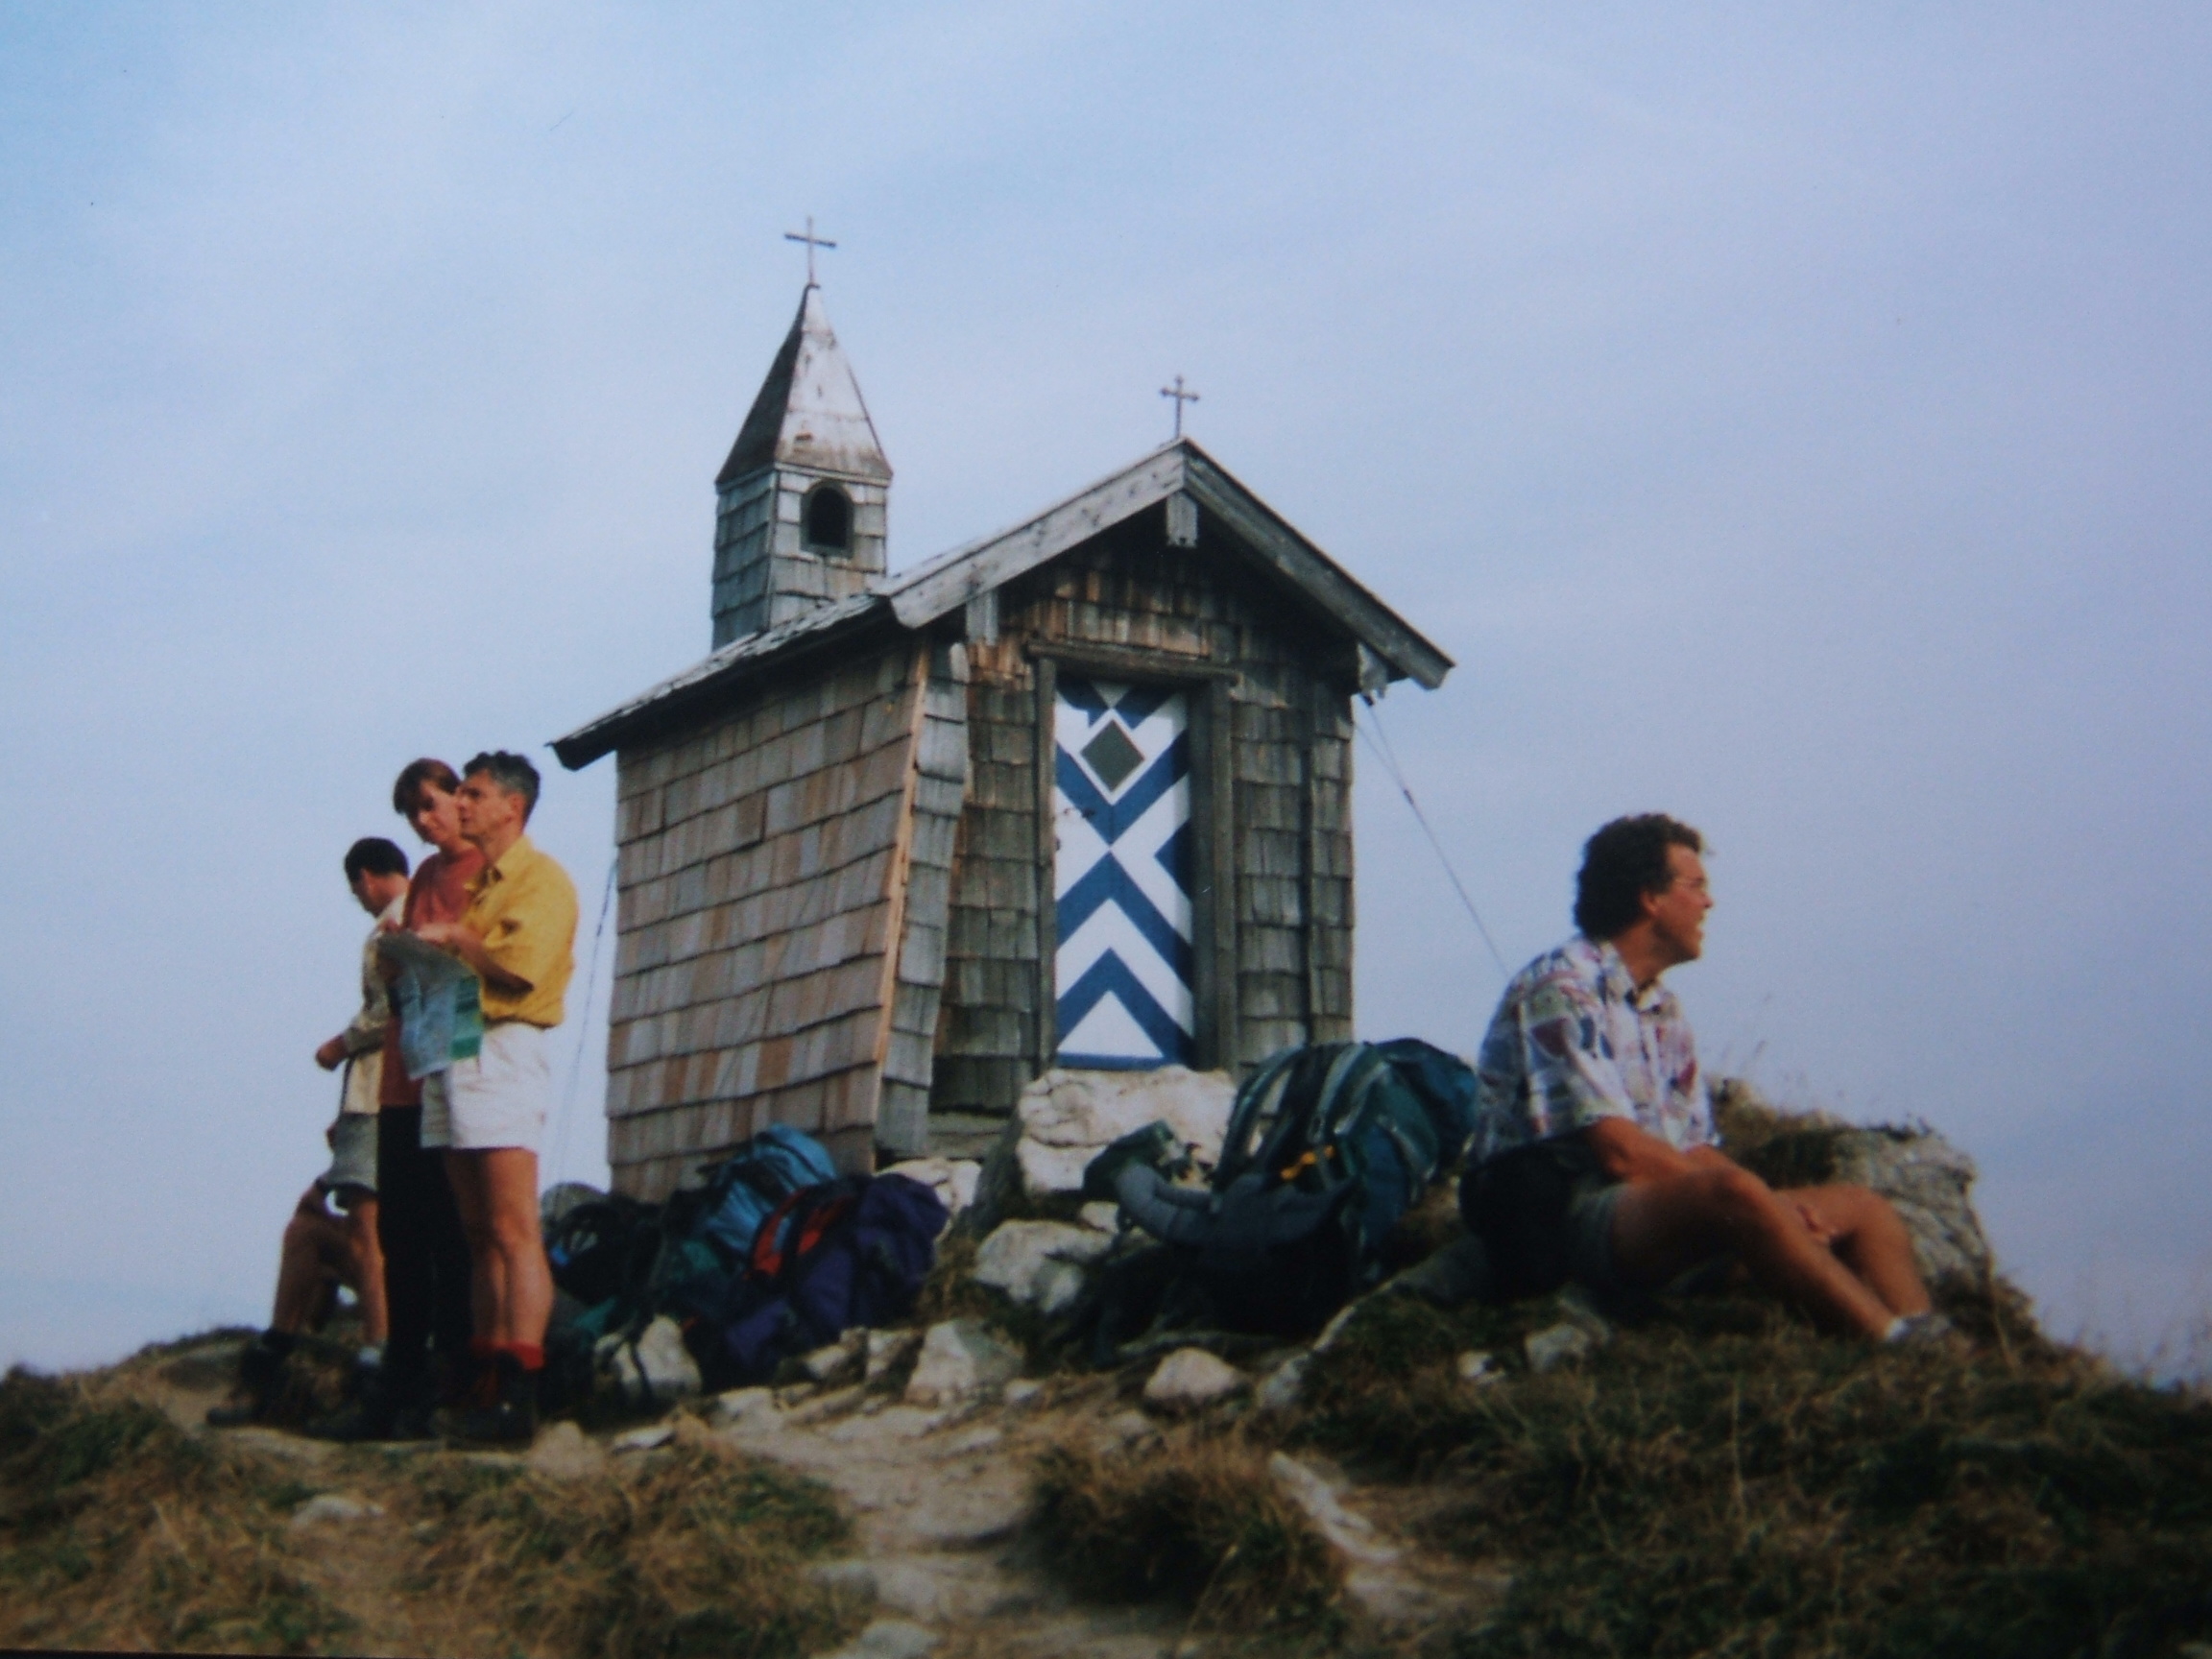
(1181, 398)
(812, 242)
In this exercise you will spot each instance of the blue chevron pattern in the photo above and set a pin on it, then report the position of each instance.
(1121, 875)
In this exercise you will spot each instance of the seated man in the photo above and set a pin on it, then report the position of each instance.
(1593, 1158)
(321, 1252)
(321, 1249)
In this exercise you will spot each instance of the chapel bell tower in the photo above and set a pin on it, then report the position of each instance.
(798, 518)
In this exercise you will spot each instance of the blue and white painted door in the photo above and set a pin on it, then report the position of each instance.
(1121, 875)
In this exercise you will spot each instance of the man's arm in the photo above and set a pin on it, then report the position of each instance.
(468, 944)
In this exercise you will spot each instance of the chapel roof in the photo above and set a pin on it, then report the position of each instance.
(909, 600)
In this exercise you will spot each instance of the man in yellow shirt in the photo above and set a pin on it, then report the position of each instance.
(488, 1109)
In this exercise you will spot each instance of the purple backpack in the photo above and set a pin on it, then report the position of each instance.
(843, 1253)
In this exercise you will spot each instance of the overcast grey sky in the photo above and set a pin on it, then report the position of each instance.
(1794, 419)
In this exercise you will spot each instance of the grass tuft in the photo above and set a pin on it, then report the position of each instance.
(118, 1530)
(1764, 1490)
(1198, 1520)
(700, 1552)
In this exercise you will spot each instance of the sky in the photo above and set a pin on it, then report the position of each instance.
(1795, 418)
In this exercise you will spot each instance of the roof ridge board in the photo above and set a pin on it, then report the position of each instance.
(1340, 593)
(914, 610)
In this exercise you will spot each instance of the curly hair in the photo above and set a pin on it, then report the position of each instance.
(1623, 862)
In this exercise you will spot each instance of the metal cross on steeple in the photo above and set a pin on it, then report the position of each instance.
(1181, 398)
(812, 242)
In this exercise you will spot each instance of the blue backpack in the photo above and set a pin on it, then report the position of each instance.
(848, 1253)
(1326, 1148)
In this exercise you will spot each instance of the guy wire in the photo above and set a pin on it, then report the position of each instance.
(584, 1021)
(1378, 744)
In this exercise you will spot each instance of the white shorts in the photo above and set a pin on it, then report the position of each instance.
(497, 1098)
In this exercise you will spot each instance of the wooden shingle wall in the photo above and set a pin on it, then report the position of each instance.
(1289, 832)
(762, 875)
(940, 786)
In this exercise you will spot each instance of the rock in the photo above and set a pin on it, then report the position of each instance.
(1040, 1265)
(333, 1507)
(1065, 1118)
(1560, 1345)
(1283, 1387)
(848, 1578)
(654, 1371)
(562, 1452)
(829, 1403)
(1189, 1379)
(980, 1439)
(953, 1179)
(1308, 1489)
(888, 1639)
(1101, 1218)
(1478, 1368)
(1021, 1391)
(844, 1359)
(1336, 1327)
(746, 1408)
(643, 1439)
(886, 1349)
(961, 1360)
(1927, 1180)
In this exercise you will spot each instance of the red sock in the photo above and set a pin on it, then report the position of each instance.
(529, 1355)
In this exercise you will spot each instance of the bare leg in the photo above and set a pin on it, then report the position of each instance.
(509, 1186)
(315, 1243)
(367, 1267)
(1664, 1227)
(1868, 1239)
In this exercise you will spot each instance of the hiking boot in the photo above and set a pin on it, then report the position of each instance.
(512, 1417)
(382, 1410)
(259, 1369)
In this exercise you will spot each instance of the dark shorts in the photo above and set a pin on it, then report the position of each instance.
(1545, 1216)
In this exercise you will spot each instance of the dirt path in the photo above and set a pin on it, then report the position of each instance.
(937, 1498)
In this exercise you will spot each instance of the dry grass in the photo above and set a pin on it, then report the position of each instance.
(1723, 1481)
(118, 1530)
(1198, 1520)
(701, 1553)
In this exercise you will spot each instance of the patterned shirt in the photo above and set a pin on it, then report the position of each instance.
(1574, 1041)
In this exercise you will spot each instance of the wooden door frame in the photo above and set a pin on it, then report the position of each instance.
(1212, 690)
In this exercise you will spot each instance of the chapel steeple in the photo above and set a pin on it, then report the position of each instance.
(799, 519)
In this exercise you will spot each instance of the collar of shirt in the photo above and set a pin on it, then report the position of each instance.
(505, 866)
(1651, 998)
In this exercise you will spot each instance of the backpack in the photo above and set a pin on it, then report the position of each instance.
(623, 1261)
(727, 1206)
(603, 1249)
(1326, 1148)
(707, 1226)
(845, 1253)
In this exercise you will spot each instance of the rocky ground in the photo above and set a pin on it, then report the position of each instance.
(935, 1474)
